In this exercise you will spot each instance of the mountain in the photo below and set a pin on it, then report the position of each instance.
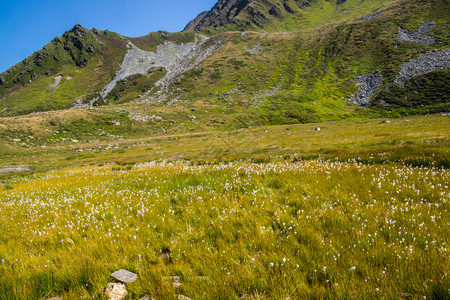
(256, 61)
(280, 15)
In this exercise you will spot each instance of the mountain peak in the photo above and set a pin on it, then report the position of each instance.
(78, 30)
(279, 15)
(224, 12)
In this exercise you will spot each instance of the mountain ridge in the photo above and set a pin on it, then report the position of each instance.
(276, 15)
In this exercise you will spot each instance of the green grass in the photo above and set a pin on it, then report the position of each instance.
(93, 138)
(355, 210)
(265, 230)
(227, 182)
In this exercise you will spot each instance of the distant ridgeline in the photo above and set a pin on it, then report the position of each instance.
(279, 61)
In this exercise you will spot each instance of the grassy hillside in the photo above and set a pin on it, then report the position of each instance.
(74, 67)
(71, 69)
(309, 75)
(312, 75)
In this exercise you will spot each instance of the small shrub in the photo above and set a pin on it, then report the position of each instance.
(7, 187)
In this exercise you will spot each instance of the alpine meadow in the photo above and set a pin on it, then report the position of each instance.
(273, 149)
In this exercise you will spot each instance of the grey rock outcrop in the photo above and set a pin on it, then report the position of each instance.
(192, 59)
(421, 36)
(257, 50)
(425, 63)
(137, 61)
(78, 30)
(367, 84)
(56, 81)
(371, 17)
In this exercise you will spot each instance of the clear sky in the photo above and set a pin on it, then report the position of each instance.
(28, 25)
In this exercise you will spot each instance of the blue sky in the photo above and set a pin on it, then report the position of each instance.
(28, 25)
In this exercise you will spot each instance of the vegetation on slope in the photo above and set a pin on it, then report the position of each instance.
(312, 75)
(71, 69)
(302, 76)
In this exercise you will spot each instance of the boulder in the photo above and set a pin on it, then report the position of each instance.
(124, 276)
(116, 291)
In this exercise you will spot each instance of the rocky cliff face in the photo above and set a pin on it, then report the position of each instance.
(223, 13)
(258, 14)
(245, 14)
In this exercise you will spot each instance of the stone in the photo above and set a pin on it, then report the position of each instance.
(124, 276)
(385, 122)
(183, 297)
(257, 50)
(14, 169)
(147, 298)
(175, 281)
(55, 298)
(116, 291)
(203, 278)
(318, 129)
(2, 81)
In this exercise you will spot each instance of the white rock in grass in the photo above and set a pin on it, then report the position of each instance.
(203, 278)
(124, 276)
(116, 291)
(182, 297)
(147, 298)
(175, 281)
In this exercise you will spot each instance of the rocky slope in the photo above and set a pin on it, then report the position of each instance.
(279, 15)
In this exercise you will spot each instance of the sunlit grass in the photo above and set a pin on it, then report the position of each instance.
(307, 229)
